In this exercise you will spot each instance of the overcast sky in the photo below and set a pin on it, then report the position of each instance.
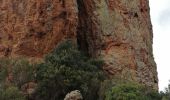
(160, 16)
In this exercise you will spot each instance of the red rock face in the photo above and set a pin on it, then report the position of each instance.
(34, 27)
(118, 31)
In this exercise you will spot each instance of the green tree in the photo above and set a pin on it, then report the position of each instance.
(67, 69)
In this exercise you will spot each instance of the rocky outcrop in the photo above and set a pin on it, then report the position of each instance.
(118, 31)
(74, 95)
(34, 27)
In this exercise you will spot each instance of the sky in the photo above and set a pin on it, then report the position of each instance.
(160, 17)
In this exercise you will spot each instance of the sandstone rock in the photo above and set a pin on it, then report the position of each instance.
(118, 31)
(34, 27)
(74, 95)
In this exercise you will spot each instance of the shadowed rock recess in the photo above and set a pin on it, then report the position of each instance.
(118, 31)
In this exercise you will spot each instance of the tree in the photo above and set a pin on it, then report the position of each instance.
(67, 69)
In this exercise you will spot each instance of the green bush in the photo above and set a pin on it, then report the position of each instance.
(13, 74)
(131, 91)
(23, 72)
(67, 69)
(11, 93)
(20, 70)
(3, 71)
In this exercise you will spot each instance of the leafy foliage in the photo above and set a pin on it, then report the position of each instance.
(131, 91)
(13, 74)
(11, 93)
(67, 69)
(20, 70)
(3, 71)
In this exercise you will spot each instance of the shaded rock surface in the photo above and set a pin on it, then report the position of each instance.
(118, 31)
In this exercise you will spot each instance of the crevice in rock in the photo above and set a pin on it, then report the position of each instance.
(82, 28)
(87, 29)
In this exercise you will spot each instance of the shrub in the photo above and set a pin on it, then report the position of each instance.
(11, 93)
(3, 71)
(13, 74)
(23, 72)
(20, 70)
(131, 91)
(67, 69)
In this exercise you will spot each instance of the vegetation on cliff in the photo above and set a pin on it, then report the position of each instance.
(14, 73)
(131, 91)
(62, 71)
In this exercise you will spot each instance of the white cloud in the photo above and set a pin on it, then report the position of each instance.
(164, 18)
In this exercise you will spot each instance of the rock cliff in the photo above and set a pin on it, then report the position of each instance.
(118, 31)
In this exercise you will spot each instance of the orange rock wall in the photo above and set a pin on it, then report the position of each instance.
(118, 31)
(34, 27)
